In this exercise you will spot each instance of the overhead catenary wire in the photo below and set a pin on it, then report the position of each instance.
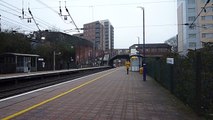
(72, 19)
(9, 12)
(139, 26)
(10, 4)
(110, 5)
(4, 18)
(200, 27)
(198, 32)
(34, 19)
(56, 12)
(0, 23)
(41, 21)
(47, 6)
(13, 10)
(192, 24)
(46, 23)
(101, 5)
(16, 22)
(17, 10)
(8, 7)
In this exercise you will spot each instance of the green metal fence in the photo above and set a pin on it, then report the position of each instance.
(190, 78)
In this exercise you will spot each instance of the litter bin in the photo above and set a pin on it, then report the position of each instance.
(141, 70)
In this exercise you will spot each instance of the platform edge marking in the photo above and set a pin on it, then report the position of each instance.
(53, 98)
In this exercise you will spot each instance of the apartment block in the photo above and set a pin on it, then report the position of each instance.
(101, 33)
(206, 21)
(193, 36)
(108, 38)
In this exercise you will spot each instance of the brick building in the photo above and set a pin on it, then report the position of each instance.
(73, 50)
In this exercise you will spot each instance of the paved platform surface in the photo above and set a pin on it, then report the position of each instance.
(109, 95)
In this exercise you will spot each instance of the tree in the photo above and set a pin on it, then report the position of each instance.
(172, 42)
(14, 42)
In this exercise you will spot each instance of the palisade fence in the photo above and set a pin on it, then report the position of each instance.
(190, 78)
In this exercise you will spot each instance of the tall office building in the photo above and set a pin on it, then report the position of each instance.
(192, 36)
(108, 44)
(101, 33)
(94, 32)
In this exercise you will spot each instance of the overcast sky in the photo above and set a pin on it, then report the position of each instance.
(160, 17)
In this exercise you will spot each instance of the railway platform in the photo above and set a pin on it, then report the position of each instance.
(107, 95)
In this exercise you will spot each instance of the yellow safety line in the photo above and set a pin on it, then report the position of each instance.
(53, 98)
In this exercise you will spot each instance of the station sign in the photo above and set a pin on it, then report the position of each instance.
(170, 61)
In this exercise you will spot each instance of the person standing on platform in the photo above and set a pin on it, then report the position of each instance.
(28, 66)
(127, 64)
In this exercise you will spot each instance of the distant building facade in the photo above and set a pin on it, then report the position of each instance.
(192, 36)
(151, 50)
(94, 32)
(108, 36)
(101, 33)
(206, 21)
(80, 35)
(120, 52)
(74, 50)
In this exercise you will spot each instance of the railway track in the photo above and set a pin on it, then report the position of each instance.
(10, 88)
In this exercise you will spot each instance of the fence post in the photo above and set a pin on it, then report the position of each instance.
(198, 81)
(172, 78)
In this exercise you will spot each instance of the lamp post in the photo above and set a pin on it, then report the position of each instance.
(144, 53)
(54, 54)
(139, 53)
(54, 60)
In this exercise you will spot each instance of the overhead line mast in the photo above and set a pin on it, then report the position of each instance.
(33, 19)
(65, 16)
(72, 19)
(29, 18)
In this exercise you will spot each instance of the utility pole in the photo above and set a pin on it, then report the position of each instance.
(138, 41)
(0, 23)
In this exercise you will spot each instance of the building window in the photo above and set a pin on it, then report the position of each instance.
(203, 35)
(192, 27)
(191, 1)
(153, 50)
(191, 18)
(204, 1)
(207, 26)
(208, 17)
(191, 10)
(192, 35)
(207, 35)
(192, 44)
(163, 50)
(209, 9)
